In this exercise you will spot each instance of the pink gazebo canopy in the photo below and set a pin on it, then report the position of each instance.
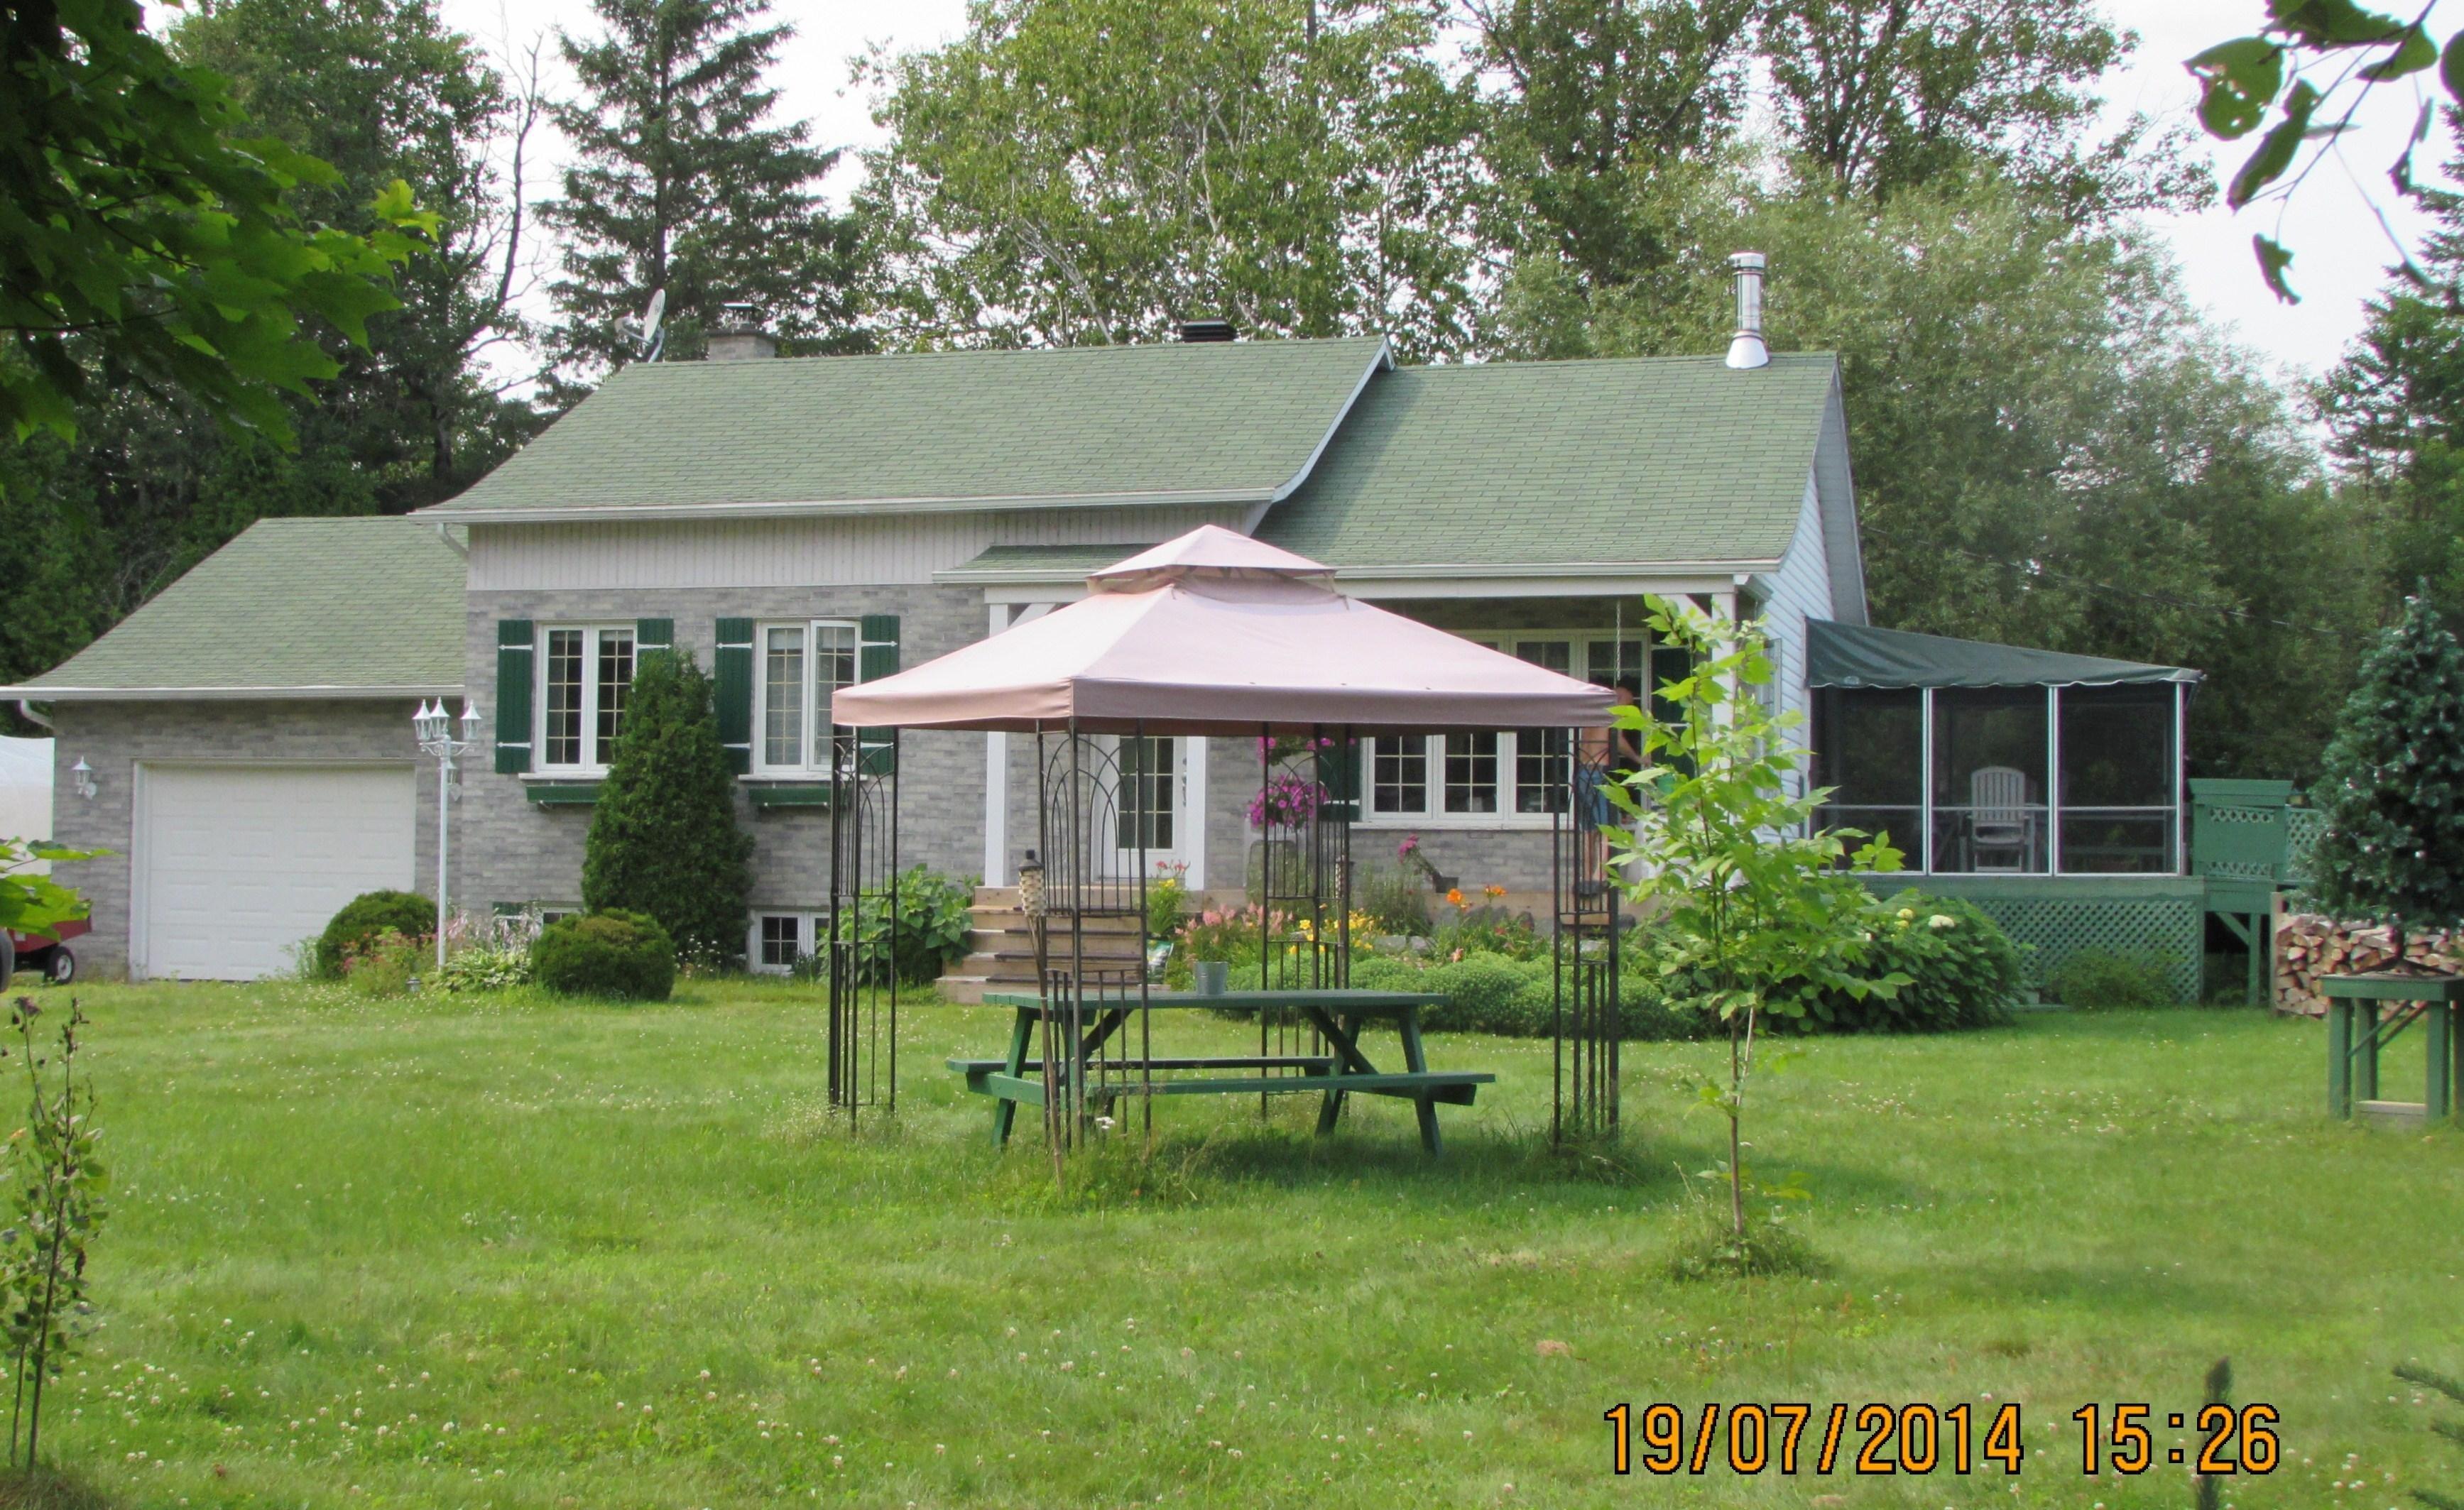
(1214, 633)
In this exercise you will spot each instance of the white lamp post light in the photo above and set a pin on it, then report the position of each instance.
(435, 732)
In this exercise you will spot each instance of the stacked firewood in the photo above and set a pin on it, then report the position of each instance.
(2310, 947)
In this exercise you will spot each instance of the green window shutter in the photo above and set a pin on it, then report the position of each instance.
(653, 634)
(731, 669)
(1339, 772)
(876, 656)
(516, 640)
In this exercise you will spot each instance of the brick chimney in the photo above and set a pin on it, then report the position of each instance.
(739, 336)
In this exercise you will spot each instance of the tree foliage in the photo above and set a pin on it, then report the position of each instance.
(145, 241)
(681, 184)
(2393, 787)
(1093, 171)
(2315, 66)
(2395, 408)
(2050, 448)
(663, 839)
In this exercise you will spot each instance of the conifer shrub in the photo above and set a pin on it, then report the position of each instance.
(664, 839)
(2391, 784)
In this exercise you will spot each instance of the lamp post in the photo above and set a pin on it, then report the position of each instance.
(435, 732)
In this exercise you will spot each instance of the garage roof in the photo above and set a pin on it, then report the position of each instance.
(352, 607)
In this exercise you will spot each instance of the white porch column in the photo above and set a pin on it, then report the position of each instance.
(997, 863)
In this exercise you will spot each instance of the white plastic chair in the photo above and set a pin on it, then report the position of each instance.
(1998, 816)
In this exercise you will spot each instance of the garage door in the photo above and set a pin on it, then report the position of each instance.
(236, 864)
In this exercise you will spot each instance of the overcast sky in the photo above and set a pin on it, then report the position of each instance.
(2341, 253)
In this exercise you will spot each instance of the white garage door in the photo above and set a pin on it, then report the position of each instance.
(237, 863)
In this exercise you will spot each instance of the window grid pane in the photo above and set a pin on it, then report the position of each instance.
(834, 663)
(782, 938)
(615, 686)
(782, 695)
(1471, 773)
(1399, 776)
(1147, 791)
(562, 723)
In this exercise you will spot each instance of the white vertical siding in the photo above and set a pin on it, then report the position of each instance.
(883, 549)
(1798, 591)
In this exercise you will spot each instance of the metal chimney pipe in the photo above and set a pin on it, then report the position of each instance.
(1747, 349)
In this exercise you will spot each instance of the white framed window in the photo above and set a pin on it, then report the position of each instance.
(1504, 777)
(585, 673)
(797, 667)
(779, 939)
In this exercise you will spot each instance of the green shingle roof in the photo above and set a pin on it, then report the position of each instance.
(1038, 563)
(1234, 421)
(1656, 461)
(292, 608)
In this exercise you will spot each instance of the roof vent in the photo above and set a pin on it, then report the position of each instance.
(1747, 349)
(739, 336)
(1205, 330)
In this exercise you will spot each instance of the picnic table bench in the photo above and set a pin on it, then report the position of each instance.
(1339, 1015)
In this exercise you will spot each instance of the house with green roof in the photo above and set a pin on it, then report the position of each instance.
(796, 524)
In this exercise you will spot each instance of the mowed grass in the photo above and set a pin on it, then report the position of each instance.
(441, 1254)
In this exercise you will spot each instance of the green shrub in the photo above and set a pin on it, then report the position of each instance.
(386, 964)
(365, 917)
(927, 925)
(1518, 997)
(606, 953)
(1963, 969)
(487, 966)
(2102, 980)
(663, 839)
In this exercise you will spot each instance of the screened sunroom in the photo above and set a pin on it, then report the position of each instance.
(1990, 759)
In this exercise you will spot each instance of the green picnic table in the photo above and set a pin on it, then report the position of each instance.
(1339, 1015)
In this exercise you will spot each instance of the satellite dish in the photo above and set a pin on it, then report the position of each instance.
(651, 318)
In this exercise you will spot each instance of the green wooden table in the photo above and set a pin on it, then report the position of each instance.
(2355, 1033)
(1339, 1015)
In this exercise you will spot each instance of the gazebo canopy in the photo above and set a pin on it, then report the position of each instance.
(1214, 633)
(1860, 655)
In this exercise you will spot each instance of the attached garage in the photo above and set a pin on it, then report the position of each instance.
(249, 764)
(236, 864)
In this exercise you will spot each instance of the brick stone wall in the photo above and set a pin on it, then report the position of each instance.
(517, 851)
(114, 738)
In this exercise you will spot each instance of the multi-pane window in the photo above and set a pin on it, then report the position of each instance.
(1483, 773)
(782, 940)
(1150, 788)
(1471, 772)
(803, 665)
(585, 676)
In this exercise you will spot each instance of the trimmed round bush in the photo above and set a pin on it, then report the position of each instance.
(613, 952)
(1963, 969)
(365, 917)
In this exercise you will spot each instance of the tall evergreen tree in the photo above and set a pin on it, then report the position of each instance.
(2392, 788)
(681, 184)
(662, 835)
(2395, 406)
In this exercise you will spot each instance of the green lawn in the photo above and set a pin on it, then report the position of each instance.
(395, 1254)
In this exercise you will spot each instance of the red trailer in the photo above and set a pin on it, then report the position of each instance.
(52, 956)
